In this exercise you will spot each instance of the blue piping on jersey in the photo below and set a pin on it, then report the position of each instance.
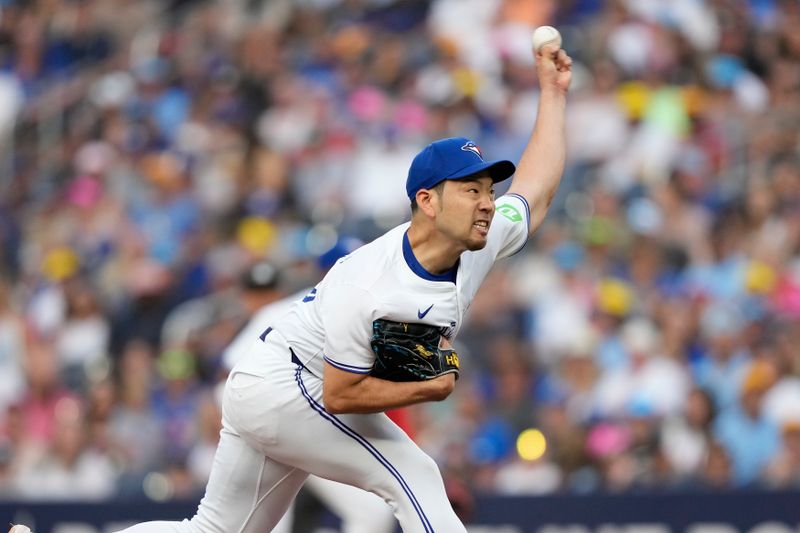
(527, 218)
(419, 270)
(367, 445)
(348, 368)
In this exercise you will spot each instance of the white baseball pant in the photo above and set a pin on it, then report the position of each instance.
(275, 432)
(360, 511)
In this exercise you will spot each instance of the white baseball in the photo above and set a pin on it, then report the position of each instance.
(545, 35)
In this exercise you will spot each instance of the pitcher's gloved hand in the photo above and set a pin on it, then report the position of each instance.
(407, 351)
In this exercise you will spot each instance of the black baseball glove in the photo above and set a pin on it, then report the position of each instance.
(409, 352)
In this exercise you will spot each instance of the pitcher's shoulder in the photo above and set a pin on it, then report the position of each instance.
(369, 262)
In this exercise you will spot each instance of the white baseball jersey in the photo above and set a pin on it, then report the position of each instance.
(268, 314)
(383, 279)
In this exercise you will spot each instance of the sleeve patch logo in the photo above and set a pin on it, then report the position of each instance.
(510, 212)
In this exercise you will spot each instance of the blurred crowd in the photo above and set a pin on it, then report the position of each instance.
(153, 151)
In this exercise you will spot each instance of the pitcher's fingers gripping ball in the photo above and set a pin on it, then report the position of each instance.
(562, 61)
(19, 529)
(410, 352)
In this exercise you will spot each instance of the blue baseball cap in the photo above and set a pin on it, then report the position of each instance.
(452, 159)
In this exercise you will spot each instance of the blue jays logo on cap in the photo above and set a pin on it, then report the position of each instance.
(450, 159)
(472, 147)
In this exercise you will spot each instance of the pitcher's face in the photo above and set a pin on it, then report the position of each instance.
(466, 209)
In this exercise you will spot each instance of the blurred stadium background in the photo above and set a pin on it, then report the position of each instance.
(638, 362)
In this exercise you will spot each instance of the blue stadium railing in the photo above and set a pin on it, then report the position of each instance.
(722, 512)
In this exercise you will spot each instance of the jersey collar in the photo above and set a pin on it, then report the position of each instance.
(419, 270)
